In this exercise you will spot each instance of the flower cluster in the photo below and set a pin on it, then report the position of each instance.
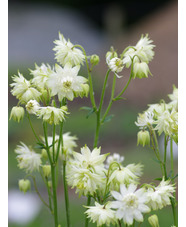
(161, 117)
(138, 56)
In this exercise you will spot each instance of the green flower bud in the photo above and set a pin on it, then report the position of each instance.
(24, 185)
(175, 138)
(46, 170)
(44, 154)
(50, 184)
(64, 108)
(94, 59)
(17, 113)
(153, 220)
(141, 70)
(143, 138)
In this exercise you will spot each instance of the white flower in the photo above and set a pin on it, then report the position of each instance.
(52, 114)
(23, 89)
(141, 70)
(17, 113)
(167, 122)
(130, 203)
(174, 98)
(157, 109)
(145, 119)
(41, 75)
(27, 158)
(160, 196)
(113, 158)
(66, 53)
(101, 214)
(65, 82)
(32, 107)
(116, 65)
(143, 51)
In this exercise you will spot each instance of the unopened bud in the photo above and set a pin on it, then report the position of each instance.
(24, 185)
(141, 70)
(46, 170)
(94, 59)
(17, 113)
(143, 138)
(153, 220)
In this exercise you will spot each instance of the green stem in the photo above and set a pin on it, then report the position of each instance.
(174, 212)
(66, 195)
(53, 142)
(172, 157)
(60, 141)
(33, 128)
(88, 204)
(165, 157)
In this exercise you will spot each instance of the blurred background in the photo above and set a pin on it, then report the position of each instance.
(96, 25)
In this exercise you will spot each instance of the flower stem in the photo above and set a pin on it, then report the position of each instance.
(165, 157)
(33, 128)
(88, 204)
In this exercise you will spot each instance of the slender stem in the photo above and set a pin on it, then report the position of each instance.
(33, 128)
(66, 195)
(165, 157)
(174, 212)
(172, 157)
(88, 204)
(46, 142)
(53, 142)
(119, 222)
(60, 141)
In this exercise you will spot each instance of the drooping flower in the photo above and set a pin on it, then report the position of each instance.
(141, 70)
(114, 158)
(52, 114)
(32, 107)
(17, 113)
(23, 89)
(145, 119)
(143, 138)
(130, 203)
(27, 158)
(101, 214)
(159, 197)
(41, 74)
(24, 185)
(65, 82)
(67, 53)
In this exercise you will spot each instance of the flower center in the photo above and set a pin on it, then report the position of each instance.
(131, 201)
(67, 84)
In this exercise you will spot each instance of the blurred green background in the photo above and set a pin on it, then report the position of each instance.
(33, 26)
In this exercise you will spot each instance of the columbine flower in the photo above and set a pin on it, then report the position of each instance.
(113, 158)
(130, 203)
(116, 65)
(41, 75)
(143, 138)
(153, 220)
(167, 122)
(174, 99)
(23, 89)
(32, 107)
(145, 119)
(52, 114)
(27, 158)
(141, 70)
(17, 113)
(101, 214)
(66, 53)
(65, 82)
(24, 185)
(160, 196)
(143, 51)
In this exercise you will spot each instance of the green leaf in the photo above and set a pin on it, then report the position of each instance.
(86, 108)
(40, 146)
(156, 160)
(108, 118)
(159, 178)
(90, 109)
(119, 98)
(174, 177)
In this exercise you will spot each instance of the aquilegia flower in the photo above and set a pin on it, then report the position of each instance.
(130, 203)
(32, 107)
(65, 82)
(27, 158)
(66, 53)
(101, 214)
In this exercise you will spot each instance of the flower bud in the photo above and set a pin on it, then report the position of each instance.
(46, 170)
(50, 184)
(44, 154)
(141, 70)
(32, 106)
(143, 138)
(17, 113)
(24, 185)
(94, 59)
(153, 220)
(64, 108)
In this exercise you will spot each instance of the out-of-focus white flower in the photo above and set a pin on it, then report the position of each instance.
(113, 158)
(130, 203)
(141, 70)
(32, 107)
(46, 170)
(159, 196)
(136, 169)
(65, 82)
(145, 119)
(101, 214)
(41, 74)
(143, 51)
(167, 122)
(17, 113)
(157, 109)
(23, 89)
(116, 65)
(27, 158)
(66, 53)
(52, 114)
(24, 185)
(174, 98)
